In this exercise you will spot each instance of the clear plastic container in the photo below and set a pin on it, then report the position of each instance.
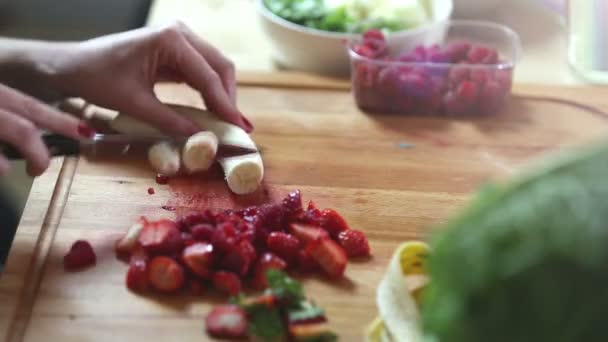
(466, 69)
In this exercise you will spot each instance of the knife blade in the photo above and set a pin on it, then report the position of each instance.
(113, 145)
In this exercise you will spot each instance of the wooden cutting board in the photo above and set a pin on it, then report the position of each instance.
(393, 177)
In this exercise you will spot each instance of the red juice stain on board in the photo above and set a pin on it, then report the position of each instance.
(208, 190)
(162, 179)
(150, 191)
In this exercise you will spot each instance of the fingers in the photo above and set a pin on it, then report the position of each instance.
(199, 74)
(146, 107)
(25, 137)
(5, 166)
(221, 64)
(40, 114)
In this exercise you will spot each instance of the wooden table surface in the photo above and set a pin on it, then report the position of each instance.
(393, 177)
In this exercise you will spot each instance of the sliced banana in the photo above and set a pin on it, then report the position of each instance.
(244, 174)
(164, 158)
(199, 151)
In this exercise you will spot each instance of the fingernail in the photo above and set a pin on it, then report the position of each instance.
(85, 130)
(248, 125)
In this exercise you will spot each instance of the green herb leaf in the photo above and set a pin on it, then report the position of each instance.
(283, 286)
(266, 324)
(305, 311)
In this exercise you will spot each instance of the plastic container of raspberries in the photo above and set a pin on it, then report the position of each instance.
(467, 70)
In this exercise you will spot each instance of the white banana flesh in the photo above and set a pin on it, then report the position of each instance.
(243, 174)
(198, 153)
(164, 158)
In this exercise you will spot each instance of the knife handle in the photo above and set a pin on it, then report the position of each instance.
(57, 145)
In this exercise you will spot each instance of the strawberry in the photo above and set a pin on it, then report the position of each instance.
(198, 258)
(333, 222)
(354, 243)
(165, 274)
(312, 215)
(267, 300)
(265, 262)
(306, 232)
(192, 219)
(227, 283)
(240, 258)
(284, 245)
(292, 205)
(329, 255)
(306, 263)
(137, 279)
(227, 321)
(127, 243)
(81, 255)
(196, 287)
(202, 232)
(161, 237)
(224, 237)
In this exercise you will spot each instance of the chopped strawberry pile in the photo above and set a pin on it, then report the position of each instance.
(232, 250)
(458, 78)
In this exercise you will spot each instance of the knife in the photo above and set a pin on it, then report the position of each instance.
(112, 145)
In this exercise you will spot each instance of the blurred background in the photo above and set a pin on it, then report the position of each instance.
(233, 26)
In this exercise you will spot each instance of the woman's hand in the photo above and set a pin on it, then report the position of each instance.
(119, 72)
(21, 116)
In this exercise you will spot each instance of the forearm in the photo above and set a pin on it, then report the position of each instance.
(29, 65)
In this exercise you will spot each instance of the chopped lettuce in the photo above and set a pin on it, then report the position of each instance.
(354, 16)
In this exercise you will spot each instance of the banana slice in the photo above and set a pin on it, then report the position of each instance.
(199, 151)
(244, 174)
(164, 158)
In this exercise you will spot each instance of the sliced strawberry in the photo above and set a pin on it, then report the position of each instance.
(227, 283)
(192, 219)
(306, 232)
(127, 243)
(199, 258)
(292, 205)
(284, 245)
(306, 263)
(165, 274)
(311, 332)
(329, 255)
(196, 287)
(224, 237)
(333, 222)
(137, 276)
(265, 262)
(187, 239)
(354, 243)
(161, 237)
(312, 215)
(240, 258)
(81, 255)
(227, 321)
(202, 232)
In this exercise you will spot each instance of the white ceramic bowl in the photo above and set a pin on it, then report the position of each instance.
(474, 8)
(306, 49)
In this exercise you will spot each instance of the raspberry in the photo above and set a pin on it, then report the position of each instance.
(373, 34)
(478, 54)
(272, 217)
(354, 243)
(227, 283)
(81, 255)
(284, 245)
(458, 51)
(467, 92)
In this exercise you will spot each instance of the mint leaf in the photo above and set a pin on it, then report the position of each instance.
(283, 286)
(266, 324)
(306, 311)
